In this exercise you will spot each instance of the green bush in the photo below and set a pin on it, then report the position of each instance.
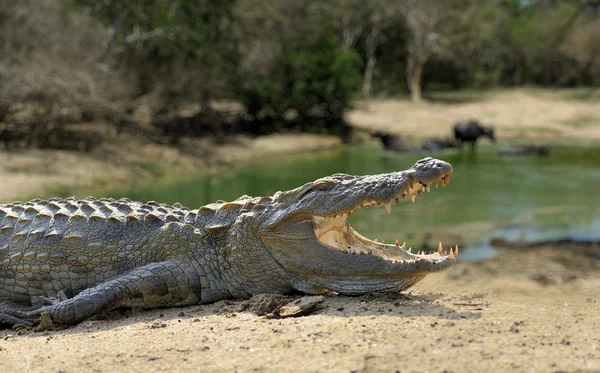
(309, 87)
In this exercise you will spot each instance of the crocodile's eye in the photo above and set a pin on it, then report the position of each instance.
(317, 186)
(323, 185)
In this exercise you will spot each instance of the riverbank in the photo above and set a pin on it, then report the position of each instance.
(530, 310)
(45, 173)
(526, 115)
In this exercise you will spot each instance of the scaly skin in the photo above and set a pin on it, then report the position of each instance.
(74, 258)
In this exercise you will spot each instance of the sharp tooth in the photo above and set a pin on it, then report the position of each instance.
(419, 193)
(396, 243)
(451, 256)
(443, 180)
(403, 195)
(436, 182)
(370, 252)
(456, 250)
(440, 248)
(397, 201)
(388, 206)
(404, 245)
(375, 240)
(428, 188)
(446, 253)
(413, 196)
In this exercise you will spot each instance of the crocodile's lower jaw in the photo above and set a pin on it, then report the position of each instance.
(336, 234)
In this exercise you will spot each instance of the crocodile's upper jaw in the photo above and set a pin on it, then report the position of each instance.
(315, 242)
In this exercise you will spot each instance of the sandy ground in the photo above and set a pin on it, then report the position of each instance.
(535, 310)
(528, 311)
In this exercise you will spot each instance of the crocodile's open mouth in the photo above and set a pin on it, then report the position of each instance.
(336, 233)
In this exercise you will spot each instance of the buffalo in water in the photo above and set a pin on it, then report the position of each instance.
(396, 143)
(437, 144)
(393, 142)
(526, 150)
(469, 131)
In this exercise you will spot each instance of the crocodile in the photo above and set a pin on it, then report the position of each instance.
(74, 258)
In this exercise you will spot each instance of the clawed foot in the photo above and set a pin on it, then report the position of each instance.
(16, 314)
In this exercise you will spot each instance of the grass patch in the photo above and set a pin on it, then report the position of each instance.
(571, 94)
(582, 121)
(440, 96)
(150, 168)
(457, 97)
(582, 94)
(28, 169)
(62, 191)
(528, 131)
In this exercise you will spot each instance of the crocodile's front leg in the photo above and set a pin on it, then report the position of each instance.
(163, 284)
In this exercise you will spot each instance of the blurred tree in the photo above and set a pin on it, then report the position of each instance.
(309, 87)
(514, 42)
(583, 44)
(50, 65)
(360, 25)
(296, 73)
(534, 34)
(184, 48)
(435, 27)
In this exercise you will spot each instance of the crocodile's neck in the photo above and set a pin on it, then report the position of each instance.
(236, 262)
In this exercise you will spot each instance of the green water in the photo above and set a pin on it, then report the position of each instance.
(548, 196)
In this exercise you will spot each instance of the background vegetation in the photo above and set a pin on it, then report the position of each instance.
(291, 64)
